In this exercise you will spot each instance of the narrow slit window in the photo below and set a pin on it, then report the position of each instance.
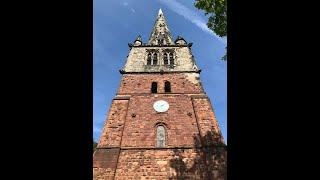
(165, 58)
(167, 86)
(149, 59)
(171, 59)
(154, 87)
(155, 59)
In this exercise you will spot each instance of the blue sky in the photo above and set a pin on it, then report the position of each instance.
(118, 22)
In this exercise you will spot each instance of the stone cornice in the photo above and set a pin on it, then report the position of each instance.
(157, 46)
(122, 97)
(163, 148)
(158, 72)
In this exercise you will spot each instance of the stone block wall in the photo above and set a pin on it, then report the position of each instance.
(105, 163)
(163, 164)
(137, 60)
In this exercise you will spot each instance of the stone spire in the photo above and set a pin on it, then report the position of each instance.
(160, 12)
(160, 34)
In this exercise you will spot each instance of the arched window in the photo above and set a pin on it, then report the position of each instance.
(167, 86)
(165, 58)
(154, 87)
(155, 59)
(161, 136)
(171, 59)
(149, 59)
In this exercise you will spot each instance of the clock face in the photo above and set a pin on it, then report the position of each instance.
(161, 106)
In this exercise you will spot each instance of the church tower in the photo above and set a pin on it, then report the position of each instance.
(161, 124)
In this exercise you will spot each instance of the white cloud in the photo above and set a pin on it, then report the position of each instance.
(126, 4)
(191, 16)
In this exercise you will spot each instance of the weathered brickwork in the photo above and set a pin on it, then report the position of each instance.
(112, 132)
(165, 164)
(207, 121)
(103, 173)
(155, 164)
(105, 163)
(179, 121)
(191, 145)
(188, 83)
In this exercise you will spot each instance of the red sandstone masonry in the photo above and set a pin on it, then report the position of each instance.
(162, 164)
(205, 116)
(112, 132)
(153, 164)
(179, 120)
(141, 83)
(139, 132)
(103, 173)
(105, 163)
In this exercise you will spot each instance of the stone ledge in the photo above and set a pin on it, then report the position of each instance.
(199, 96)
(169, 94)
(163, 148)
(155, 45)
(122, 97)
(157, 72)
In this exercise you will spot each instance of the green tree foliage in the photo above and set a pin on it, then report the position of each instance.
(217, 11)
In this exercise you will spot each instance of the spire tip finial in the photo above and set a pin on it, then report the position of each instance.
(160, 11)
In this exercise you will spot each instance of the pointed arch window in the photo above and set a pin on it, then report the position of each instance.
(161, 136)
(152, 57)
(168, 58)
